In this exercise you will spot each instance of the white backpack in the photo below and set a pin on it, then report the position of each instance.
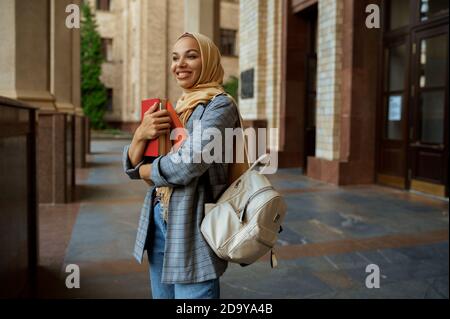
(244, 223)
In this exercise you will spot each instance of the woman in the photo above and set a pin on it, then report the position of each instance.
(182, 265)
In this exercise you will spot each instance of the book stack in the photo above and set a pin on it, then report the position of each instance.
(162, 145)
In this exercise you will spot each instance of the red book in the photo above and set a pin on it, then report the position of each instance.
(161, 146)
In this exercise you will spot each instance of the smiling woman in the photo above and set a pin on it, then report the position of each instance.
(174, 206)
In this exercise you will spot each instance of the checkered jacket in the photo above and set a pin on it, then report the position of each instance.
(187, 258)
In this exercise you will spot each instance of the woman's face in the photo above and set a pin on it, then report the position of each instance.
(186, 62)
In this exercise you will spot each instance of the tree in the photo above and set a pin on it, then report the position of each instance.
(93, 92)
(231, 86)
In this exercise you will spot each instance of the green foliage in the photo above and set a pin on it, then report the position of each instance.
(232, 86)
(93, 92)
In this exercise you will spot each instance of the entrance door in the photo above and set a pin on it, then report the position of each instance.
(413, 116)
(393, 138)
(428, 130)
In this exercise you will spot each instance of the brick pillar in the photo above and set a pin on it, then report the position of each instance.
(325, 165)
(348, 72)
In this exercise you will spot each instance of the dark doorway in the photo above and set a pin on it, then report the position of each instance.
(311, 85)
(298, 107)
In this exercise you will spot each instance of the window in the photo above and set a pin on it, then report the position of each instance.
(103, 5)
(431, 8)
(107, 45)
(247, 87)
(228, 42)
(109, 100)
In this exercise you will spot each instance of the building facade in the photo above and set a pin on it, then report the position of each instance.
(354, 104)
(358, 95)
(137, 36)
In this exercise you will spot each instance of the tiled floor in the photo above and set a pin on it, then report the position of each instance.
(331, 234)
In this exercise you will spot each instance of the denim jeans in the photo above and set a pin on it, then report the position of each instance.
(202, 290)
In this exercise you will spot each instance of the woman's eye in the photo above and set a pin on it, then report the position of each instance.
(192, 57)
(174, 58)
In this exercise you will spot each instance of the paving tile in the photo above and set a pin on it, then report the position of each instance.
(402, 233)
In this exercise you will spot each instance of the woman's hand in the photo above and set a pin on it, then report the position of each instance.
(154, 124)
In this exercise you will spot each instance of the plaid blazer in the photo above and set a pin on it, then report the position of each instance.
(188, 257)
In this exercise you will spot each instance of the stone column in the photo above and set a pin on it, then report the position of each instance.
(65, 83)
(25, 74)
(25, 52)
(203, 16)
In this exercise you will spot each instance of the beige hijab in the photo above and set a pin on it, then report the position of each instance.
(207, 86)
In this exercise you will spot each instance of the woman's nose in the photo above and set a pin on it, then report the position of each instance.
(182, 62)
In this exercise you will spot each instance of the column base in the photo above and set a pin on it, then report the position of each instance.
(340, 173)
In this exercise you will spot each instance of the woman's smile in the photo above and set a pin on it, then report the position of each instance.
(183, 75)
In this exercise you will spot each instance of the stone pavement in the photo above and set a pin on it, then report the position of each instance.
(330, 236)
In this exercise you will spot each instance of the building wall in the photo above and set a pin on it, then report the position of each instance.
(248, 58)
(229, 13)
(345, 123)
(260, 49)
(143, 32)
(110, 25)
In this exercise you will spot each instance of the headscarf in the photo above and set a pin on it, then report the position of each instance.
(207, 86)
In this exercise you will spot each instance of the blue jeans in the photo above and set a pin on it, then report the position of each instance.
(202, 290)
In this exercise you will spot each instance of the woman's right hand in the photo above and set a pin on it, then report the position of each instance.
(154, 123)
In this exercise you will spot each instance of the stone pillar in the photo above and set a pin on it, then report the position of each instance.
(38, 65)
(52, 155)
(25, 52)
(65, 78)
(25, 72)
(325, 165)
(347, 78)
(203, 16)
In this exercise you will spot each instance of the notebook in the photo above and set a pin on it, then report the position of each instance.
(162, 145)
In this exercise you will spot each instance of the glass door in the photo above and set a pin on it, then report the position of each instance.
(428, 130)
(393, 138)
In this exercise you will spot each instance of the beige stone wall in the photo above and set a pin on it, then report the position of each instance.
(143, 33)
(229, 19)
(260, 48)
(248, 58)
(329, 66)
(111, 25)
(175, 29)
(273, 69)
